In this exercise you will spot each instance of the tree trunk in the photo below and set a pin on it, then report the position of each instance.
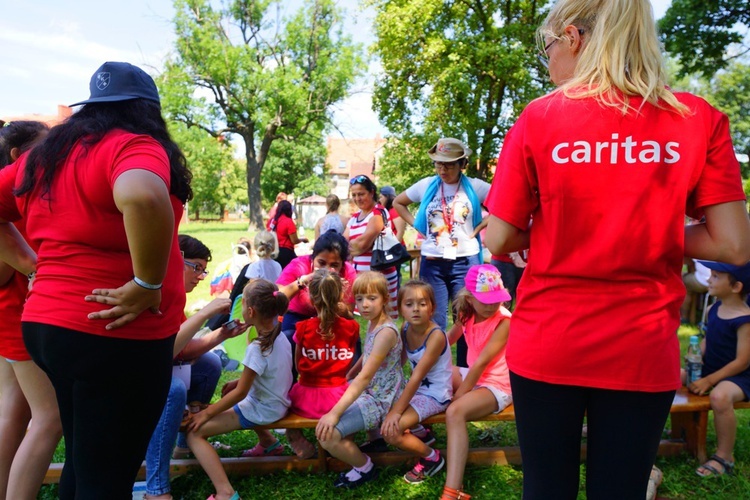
(255, 212)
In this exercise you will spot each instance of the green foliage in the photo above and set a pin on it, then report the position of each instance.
(218, 179)
(291, 166)
(242, 69)
(699, 33)
(405, 161)
(729, 91)
(457, 69)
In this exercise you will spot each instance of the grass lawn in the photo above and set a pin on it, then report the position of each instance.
(500, 482)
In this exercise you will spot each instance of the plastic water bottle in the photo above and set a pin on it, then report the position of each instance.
(694, 360)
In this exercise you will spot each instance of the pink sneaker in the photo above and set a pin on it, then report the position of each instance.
(258, 451)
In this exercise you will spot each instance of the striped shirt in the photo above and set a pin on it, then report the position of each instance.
(362, 262)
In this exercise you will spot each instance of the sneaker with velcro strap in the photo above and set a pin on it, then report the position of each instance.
(424, 469)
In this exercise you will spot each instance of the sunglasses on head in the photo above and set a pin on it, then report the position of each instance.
(360, 179)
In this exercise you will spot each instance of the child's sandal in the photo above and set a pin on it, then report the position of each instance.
(453, 494)
(258, 451)
(710, 470)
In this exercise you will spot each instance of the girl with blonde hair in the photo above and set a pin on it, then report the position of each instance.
(612, 160)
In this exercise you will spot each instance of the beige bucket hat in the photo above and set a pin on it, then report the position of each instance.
(448, 149)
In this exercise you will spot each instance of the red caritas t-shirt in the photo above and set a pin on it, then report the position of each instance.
(81, 241)
(599, 302)
(324, 363)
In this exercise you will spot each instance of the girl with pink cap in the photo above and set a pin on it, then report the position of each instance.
(484, 387)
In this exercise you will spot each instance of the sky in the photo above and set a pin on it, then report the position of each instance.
(50, 49)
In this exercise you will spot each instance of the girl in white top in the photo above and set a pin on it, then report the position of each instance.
(267, 247)
(429, 390)
(260, 396)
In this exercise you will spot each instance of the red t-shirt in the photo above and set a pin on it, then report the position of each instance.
(81, 241)
(284, 227)
(324, 363)
(599, 302)
(12, 297)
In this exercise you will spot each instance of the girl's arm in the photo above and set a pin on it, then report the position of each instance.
(400, 224)
(435, 345)
(14, 250)
(385, 340)
(364, 242)
(354, 370)
(481, 226)
(502, 237)
(455, 332)
(489, 353)
(232, 398)
(297, 355)
(739, 364)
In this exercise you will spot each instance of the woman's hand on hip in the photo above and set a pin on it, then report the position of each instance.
(127, 302)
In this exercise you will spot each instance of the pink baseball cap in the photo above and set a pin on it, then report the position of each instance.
(486, 285)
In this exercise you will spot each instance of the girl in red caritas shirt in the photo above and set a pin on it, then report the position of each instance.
(324, 351)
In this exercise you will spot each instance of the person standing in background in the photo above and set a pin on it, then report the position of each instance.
(450, 209)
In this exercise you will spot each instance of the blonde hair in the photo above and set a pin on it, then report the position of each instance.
(266, 245)
(326, 289)
(373, 282)
(621, 56)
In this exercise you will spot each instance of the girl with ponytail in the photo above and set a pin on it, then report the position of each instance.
(261, 395)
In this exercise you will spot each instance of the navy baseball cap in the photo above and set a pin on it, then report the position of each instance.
(388, 191)
(120, 81)
(740, 273)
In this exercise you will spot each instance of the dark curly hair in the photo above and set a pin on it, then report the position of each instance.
(20, 134)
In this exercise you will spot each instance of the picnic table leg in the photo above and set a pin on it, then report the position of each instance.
(322, 458)
(692, 427)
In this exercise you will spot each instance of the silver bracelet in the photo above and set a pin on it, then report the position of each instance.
(143, 284)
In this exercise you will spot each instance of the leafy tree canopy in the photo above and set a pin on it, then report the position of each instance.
(699, 32)
(242, 69)
(456, 68)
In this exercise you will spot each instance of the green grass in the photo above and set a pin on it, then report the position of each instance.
(680, 480)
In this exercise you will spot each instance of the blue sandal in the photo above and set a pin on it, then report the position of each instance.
(727, 467)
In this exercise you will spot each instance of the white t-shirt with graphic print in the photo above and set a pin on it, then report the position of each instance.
(457, 203)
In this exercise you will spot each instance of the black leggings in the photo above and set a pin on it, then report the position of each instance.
(624, 430)
(111, 393)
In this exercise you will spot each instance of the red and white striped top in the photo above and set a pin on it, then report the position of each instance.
(361, 262)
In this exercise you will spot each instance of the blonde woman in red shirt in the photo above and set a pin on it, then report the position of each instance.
(607, 165)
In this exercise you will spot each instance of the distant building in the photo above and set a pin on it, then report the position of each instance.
(347, 158)
(63, 112)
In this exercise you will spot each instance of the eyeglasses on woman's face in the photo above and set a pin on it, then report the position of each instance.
(448, 166)
(543, 56)
(197, 268)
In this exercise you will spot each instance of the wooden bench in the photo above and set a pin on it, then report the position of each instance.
(689, 427)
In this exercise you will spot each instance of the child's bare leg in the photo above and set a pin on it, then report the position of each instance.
(14, 418)
(206, 454)
(265, 438)
(344, 449)
(475, 404)
(723, 397)
(34, 455)
(407, 441)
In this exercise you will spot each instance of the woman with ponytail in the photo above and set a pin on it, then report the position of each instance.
(607, 166)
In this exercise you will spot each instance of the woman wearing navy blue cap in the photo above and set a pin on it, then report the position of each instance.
(102, 197)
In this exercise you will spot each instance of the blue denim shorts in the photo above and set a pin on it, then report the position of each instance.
(245, 423)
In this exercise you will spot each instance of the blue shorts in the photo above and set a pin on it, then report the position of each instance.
(245, 423)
